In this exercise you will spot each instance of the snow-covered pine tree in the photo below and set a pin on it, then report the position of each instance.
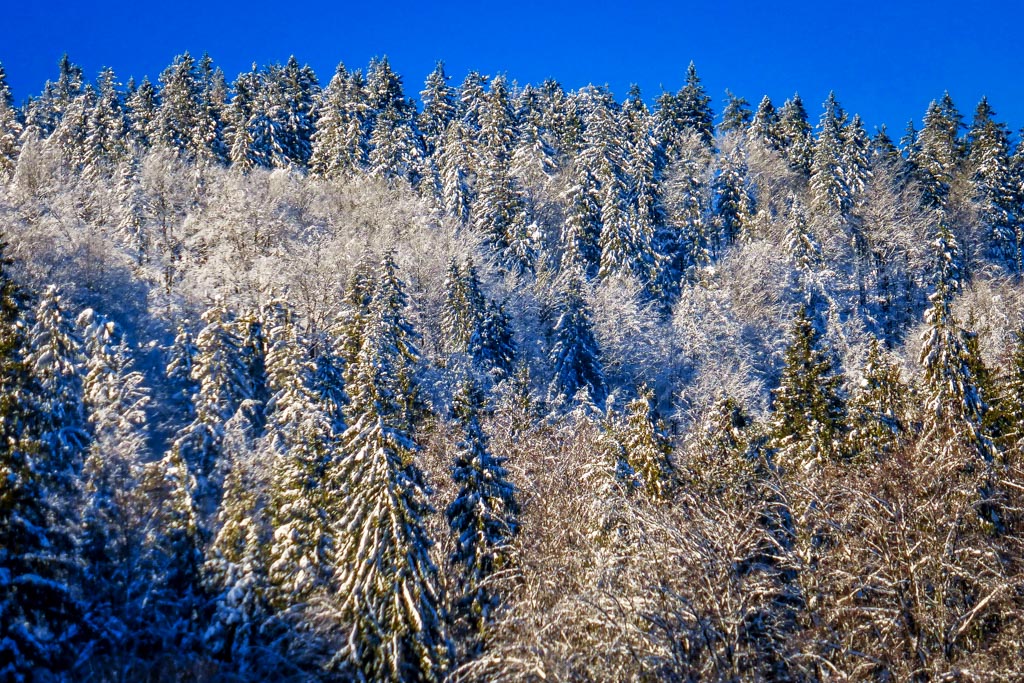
(10, 129)
(830, 189)
(647, 447)
(386, 585)
(935, 155)
(807, 422)
(464, 306)
(794, 133)
(112, 540)
(439, 108)
(492, 346)
(953, 419)
(39, 570)
(878, 408)
(581, 229)
(178, 114)
(105, 128)
(141, 114)
(575, 356)
(339, 144)
(483, 516)
(56, 360)
(764, 126)
(994, 192)
(453, 159)
(234, 572)
(224, 382)
(736, 115)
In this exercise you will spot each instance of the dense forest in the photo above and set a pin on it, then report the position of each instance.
(505, 382)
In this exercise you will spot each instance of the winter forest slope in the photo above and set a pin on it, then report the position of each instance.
(316, 383)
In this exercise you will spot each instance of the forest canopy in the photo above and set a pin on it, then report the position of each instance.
(321, 381)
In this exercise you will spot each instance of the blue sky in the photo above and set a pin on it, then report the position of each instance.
(886, 62)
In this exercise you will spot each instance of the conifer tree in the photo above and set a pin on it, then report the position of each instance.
(935, 154)
(454, 159)
(830, 189)
(575, 357)
(582, 227)
(694, 107)
(141, 114)
(386, 583)
(736, 116)
(807, 411)
(953, 408)
(438, 108)
(234, 572)
(483, 516)
(492, 345)
(764, 126)
(994, 193)
(10, 130)
(224, 383)
(116, 402)
(56, 360)
(647, 447)
(178, 115)
(794, 133)
(338, 143)
(878, 408)
(39, 601)
(733, 201)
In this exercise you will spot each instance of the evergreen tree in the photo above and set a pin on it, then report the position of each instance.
(830, 190)
(56, 360)
(954, 410)
(235, 575)
(386, 582)
(647, 447)
(994, 194)
(116, 402)
(935, 154)
(438, 108)
(492, 345)
(224, 382)
(733, 201)
(141, 113)
(10, 130)
(878, 408)
(575, 357)
(736, 116)
(695, 107)
(454, 159)
(764, 126)
(483, 516)
(794, 132)
(582, 227)
(177, 118)
(465, 306)
(807, 411)
(39, 572)
(339, 147)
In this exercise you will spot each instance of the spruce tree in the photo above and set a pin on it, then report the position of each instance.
(483, 516)
(178, 115)
(39, 597)
(807, 421)
(386, 583)
(438, 108)
(954, 411)
(830, 190)
(575, 357)
(647, 447)
(10, 130)
(878, 408)
(736, 116)
(794, 133)
(994, 192)
(764, 126)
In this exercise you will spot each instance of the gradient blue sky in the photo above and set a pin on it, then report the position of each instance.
(886, 60)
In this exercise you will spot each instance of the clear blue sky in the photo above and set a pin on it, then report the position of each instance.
(886, 60)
